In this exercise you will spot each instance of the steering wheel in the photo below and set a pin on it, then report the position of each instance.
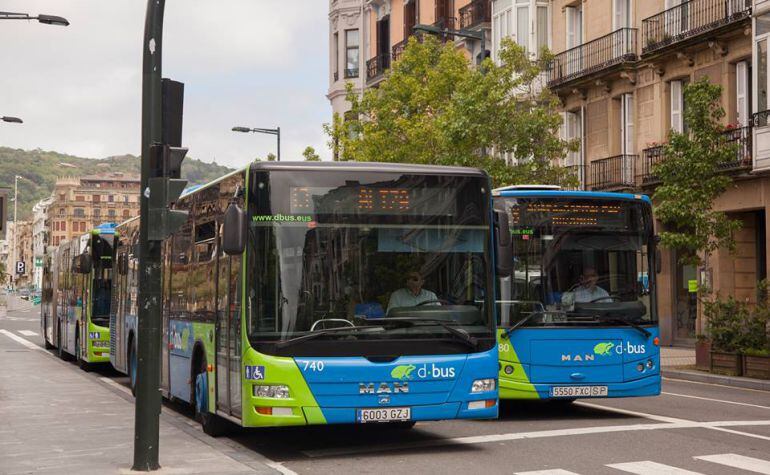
(439, 301)
(612, 298)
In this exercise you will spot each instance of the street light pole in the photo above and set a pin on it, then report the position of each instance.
(276, 131)
(15, 225)
(148, 396)
(45, 19)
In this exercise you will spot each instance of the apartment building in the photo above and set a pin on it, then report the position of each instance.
(620, 71)
(40, 234)
(367, 36)
(80, 204)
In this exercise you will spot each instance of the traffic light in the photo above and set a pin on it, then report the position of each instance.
(166, 160)
(3, 212)
(164, 221)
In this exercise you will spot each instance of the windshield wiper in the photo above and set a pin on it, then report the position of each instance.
(460, 334)
(521, 322)
(641, 330)
(313, 335)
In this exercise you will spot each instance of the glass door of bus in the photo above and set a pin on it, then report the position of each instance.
(228, 336)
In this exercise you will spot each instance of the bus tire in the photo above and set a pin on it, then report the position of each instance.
(212, 424)
(82, 364)
(132, 363)
(60, 346)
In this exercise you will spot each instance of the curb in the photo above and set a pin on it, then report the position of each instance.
(734, 381)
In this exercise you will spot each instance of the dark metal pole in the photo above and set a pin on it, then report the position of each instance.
(279, 143)
(148, 396)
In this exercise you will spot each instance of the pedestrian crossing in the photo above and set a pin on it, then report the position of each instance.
(649, 467)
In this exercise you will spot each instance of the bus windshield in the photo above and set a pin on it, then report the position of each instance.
(372, 257)
(578, 261)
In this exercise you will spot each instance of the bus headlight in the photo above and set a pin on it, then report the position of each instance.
(650, 364)
(271, 391)
(483, 385)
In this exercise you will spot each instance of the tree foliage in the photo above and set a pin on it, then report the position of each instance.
(690, 179)
(433, 108)
(311, 155)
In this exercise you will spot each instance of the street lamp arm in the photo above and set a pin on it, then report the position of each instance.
(45, 19)
(446, 31)
(13, 120)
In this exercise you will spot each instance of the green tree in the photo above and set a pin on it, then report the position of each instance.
(434, 108)
(690, 179)
(311, 155)
(2, 273)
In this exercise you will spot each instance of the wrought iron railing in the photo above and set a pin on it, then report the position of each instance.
(398, 49)
(609, 50)
(759, 119)
(689, 19)
(376, 66)
(740, 138)
(351, 73)
(476, 13)
(613, 173)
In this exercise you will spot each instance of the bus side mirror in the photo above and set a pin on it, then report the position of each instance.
(503, 244)
(234, 233)
(81, 264)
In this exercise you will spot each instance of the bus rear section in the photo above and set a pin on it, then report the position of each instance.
(578, 314)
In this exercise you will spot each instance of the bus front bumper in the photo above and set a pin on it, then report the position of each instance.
(513, 389)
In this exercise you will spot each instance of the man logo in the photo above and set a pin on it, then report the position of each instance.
(383, 388)
(585, 357)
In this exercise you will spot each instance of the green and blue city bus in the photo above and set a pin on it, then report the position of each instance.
(277, 305)
(75, 305)
(577, 315)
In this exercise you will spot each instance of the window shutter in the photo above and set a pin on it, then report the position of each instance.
(676, 106)
(741, 91)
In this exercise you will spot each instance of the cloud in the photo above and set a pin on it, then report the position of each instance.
(261, 63)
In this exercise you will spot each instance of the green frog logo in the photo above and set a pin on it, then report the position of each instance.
(603, 349)
(403, 372)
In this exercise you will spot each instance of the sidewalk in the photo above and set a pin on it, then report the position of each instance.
(57, 419)
(679, 363)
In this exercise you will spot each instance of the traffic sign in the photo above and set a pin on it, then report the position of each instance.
(21, 267)
(38, 262)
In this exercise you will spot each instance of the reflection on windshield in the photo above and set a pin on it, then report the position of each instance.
(577, 273)
(358, 268)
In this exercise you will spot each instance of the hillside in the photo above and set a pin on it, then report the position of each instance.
(41, 169)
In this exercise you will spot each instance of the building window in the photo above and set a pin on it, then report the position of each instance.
(517, 23)
(62, 212)
(627, 124)
(80, 198)
(622, 18)
(336, 56)
(79, 212)
(126, 213)
(574, 16)
(110, 198)
(125, 199)
(677, 105)
(111, 213)
(62, 197)
(96, 198)
(63, 226)
(742, 93)
(97, 213)
(351, 53)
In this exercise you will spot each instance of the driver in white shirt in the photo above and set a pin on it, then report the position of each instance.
(413, 294)
(588, 291)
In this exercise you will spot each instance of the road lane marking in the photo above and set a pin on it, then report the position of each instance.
(648, 467)
(21, 340)
(739, 461)
(557, 471)
(736, 388)
(27, 333)
(745, 434)
(723, 401)
(627, 412)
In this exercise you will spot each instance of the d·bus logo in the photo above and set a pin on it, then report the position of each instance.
(425, 371)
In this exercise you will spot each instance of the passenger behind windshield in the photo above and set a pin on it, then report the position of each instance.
(413, 294)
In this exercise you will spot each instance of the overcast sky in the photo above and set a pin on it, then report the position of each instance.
(259, 63)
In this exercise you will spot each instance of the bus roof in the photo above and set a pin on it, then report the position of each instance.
(105, 228)
(371, 166)
(571, 194)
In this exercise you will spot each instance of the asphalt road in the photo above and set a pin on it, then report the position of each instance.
(690, 428)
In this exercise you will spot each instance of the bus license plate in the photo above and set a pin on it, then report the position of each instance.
(385, 414)
(579, 391)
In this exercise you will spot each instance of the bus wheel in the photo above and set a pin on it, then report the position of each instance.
(212, 424)
(82, 364)
(60, 346)
(132, 367)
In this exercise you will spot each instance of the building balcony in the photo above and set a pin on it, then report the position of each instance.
(742, 161)
(476, 14)
(376, 67)
(612, 174)
(690, 20)
(592, 58)
(398, 49)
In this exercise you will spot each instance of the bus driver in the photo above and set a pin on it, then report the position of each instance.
(587, 291)
(413, 294)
